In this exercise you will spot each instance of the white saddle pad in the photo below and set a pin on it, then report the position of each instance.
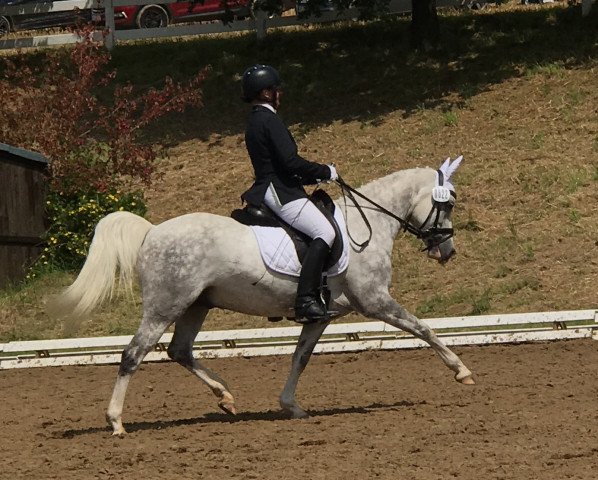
(279, 254)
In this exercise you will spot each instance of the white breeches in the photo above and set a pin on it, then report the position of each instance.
(303, 215)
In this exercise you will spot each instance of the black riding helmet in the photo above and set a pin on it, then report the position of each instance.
(258, 77)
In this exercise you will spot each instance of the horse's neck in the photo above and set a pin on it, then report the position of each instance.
(395, 193)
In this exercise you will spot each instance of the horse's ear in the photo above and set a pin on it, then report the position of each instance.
(452, 167)
(444, 167)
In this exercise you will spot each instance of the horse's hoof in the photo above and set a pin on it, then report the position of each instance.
(464, 376)
(227, 403)
(120, 432)
(467, 380)
(228, 407)
(297, 413)
(117, 425)
(300, 415)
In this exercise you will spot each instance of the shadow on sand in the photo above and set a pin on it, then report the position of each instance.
(210, 418)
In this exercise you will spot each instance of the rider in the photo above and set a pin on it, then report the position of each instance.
(280, 173)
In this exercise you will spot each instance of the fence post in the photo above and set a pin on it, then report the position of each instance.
(109, 41)
(261, 18)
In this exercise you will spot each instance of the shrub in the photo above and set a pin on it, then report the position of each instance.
(72, 218)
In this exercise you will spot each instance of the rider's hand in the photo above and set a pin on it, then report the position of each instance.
(333, 174)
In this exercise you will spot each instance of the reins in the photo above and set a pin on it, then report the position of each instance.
(348, 190)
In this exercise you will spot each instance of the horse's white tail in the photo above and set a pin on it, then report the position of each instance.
(115, 246)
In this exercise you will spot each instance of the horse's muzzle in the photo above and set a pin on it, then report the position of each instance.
(437, 254)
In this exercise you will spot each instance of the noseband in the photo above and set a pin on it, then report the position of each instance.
(431, 236)
(441, 202)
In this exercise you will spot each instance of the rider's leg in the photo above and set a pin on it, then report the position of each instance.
(303, 215)
(309, 306)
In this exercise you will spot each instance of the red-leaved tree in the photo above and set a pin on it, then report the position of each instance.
(53, 108)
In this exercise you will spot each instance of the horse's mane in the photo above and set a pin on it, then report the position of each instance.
(393, 178)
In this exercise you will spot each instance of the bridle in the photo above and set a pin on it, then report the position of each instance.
(431, 236)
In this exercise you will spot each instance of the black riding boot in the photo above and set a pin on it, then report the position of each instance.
(309, 306)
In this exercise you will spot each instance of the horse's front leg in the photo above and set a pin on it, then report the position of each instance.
(391, 312)
(310, 334)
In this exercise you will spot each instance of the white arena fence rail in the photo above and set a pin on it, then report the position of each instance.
(337, 338)
(259, 24)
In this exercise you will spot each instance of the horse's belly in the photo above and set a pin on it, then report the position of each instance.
(268, 296)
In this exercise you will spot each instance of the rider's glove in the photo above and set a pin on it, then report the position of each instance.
(333, 174)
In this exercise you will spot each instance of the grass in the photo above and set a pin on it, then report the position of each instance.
(22, 312)
(513, 88)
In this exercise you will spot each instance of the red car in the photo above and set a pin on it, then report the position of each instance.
(162, 15)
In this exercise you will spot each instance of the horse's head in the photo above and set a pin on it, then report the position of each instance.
(431, 213)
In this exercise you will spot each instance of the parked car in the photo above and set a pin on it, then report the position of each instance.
(301, 7)
(42, 18)
(162, 15)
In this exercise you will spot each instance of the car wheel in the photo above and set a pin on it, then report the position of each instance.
(4, 26)
(152, 16)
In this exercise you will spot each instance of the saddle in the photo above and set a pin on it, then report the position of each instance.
(264, 217)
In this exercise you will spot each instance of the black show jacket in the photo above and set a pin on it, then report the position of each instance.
(275, 160)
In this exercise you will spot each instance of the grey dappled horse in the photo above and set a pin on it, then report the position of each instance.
(195, 262)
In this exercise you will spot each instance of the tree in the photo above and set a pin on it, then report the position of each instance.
(424, 18)
(425, 31)
(54, 107)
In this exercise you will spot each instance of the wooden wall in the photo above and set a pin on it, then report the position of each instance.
(22, 211)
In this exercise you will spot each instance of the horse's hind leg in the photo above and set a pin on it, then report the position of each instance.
(181, 350)
(151, 329)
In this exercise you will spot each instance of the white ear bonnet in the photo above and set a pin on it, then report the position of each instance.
(444, 189)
